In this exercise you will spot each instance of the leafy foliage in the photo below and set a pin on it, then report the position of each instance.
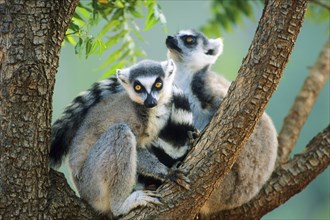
(119, 31)
(318, 11)
(227, 13)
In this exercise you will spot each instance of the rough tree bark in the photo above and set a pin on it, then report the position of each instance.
(31, 36)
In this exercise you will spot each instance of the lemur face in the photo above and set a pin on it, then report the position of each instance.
(193, 48)
(148, 83)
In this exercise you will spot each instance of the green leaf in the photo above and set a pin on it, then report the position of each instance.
(80, 5)
(84, 12)
(139, 53)
(125, 55)
(78, 21)
(77, 48)
(89, 45)
(135, 13)
(112, 58)
(137, 34)
(101, 46)
(151, 21)
(113, 69)
(106, 28)
(115, 39)
(119, 13)
(70, 39)
(74, 27)
(119, 4)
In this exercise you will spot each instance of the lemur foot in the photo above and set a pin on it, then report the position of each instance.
(136, 199)
(179, 176)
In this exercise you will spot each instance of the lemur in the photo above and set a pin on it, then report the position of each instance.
(106, 130)
(193, 54)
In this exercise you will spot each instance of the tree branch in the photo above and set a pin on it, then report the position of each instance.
(287, 180)
(303, 104)
(218, 147)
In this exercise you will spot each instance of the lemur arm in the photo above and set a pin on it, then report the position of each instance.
(149, 165)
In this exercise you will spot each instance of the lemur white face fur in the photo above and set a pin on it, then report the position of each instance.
(193, 49)
(148, 86)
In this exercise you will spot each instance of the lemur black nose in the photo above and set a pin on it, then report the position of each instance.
(172, 43)
(150, 102)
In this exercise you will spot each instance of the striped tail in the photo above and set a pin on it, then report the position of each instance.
(64, 129)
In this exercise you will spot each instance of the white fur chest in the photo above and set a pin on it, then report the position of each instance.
(183, 78)
(201, 116)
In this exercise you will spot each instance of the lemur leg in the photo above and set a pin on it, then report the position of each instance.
(149, 165)
(108, 175)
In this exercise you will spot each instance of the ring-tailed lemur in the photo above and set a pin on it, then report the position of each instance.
(102, 127)
(172, 145)
(193, 54)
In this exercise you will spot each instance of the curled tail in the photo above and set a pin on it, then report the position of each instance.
(65, 128)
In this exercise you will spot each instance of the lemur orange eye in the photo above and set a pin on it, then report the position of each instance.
(158, 85)
(137, 87)
(189, 39)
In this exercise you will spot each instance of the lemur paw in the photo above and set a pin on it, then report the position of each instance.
(148, 198)
(152, 198)
(136, 199)
(179, 176)
(193, 135)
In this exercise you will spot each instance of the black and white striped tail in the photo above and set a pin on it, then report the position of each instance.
(173, 142)
(65, 128)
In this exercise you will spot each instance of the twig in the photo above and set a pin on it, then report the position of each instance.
(303, 104)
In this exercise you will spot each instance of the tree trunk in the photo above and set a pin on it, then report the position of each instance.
(31, 35)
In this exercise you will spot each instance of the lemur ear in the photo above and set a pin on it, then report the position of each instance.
(168, 67)
(122, 76)
(215, 47)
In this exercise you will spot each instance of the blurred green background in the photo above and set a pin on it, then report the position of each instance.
(77, 74)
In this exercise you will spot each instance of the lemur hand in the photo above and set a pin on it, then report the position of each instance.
(193, 135)
(179, 176)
